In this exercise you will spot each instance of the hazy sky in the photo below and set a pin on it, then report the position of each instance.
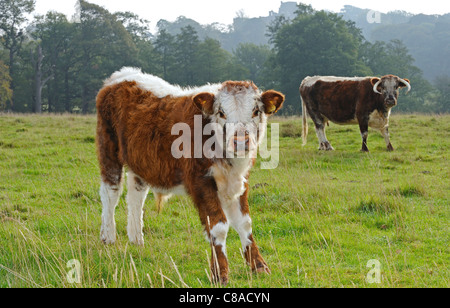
(209, 11)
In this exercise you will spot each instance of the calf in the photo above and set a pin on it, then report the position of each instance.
(365, 101)
(136, 117)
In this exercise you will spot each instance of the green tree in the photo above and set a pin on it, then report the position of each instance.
(57, 37)
(254, 59)
(304, 9)
(5, 86)
(426, 36)
(138, 28)
(104, 46)
(41, 77)
(442, 84)
(165, 49)
(275, 26)
(13, 15)
(235, 70)
(23, 79)
(394, 58)
(186, 56)
(384, 58)
(213, 61)
(314, 43)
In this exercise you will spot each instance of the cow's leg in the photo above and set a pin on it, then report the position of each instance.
(324, 144)
(137, 193)
(239, 217)
(110, 191)
(319, 123)
(364, 128)
(216, 226)
(385, 132)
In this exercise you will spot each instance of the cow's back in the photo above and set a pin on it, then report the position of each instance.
(336, 98)
(140, 124)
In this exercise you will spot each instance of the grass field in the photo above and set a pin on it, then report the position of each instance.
(318, 218)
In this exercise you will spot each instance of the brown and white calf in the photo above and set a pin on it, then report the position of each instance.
(365, 101)
(136, 116)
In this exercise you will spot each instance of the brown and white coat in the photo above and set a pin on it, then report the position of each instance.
(136, 114)
(366, 101)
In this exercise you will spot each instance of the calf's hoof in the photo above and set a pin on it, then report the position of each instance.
(108, 242)
(221, 278)
(259, 266)
(108, 238)
(135, 235)
(137, 242)
(262, 269)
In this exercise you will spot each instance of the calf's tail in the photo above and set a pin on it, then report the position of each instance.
(305, 123)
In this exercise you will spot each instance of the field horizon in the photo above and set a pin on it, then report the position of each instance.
(321, 219)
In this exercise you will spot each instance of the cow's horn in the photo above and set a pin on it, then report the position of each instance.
(375, 87)
(406, 84)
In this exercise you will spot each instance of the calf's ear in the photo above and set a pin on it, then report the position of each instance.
(205, 102)
(273, 101)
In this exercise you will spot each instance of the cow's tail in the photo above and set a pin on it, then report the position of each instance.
(305, 123)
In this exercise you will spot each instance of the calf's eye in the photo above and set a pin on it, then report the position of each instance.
(222, 114)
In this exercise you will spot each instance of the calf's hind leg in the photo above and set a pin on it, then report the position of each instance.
(112, 173)
(137, 193)
(110, 191)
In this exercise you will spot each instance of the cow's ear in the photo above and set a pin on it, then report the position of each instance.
(402, 85)
(205, 102)
(374, 81)
(273, 101)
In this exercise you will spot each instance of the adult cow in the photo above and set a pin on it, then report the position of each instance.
(365, 101)
(136, 116)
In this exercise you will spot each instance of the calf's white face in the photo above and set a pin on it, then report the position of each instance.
(240, 109)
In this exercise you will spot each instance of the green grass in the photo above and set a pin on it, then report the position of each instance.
(318, 218)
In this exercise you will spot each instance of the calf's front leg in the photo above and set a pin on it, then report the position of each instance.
(233, 196)
(243, 225)
(216, 227)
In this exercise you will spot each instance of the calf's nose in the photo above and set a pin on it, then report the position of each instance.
(241, 142)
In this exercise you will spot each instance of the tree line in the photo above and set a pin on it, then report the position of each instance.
(426, 36)
(56, 64)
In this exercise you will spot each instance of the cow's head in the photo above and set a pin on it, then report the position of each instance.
(388, 86)
(241, 110)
